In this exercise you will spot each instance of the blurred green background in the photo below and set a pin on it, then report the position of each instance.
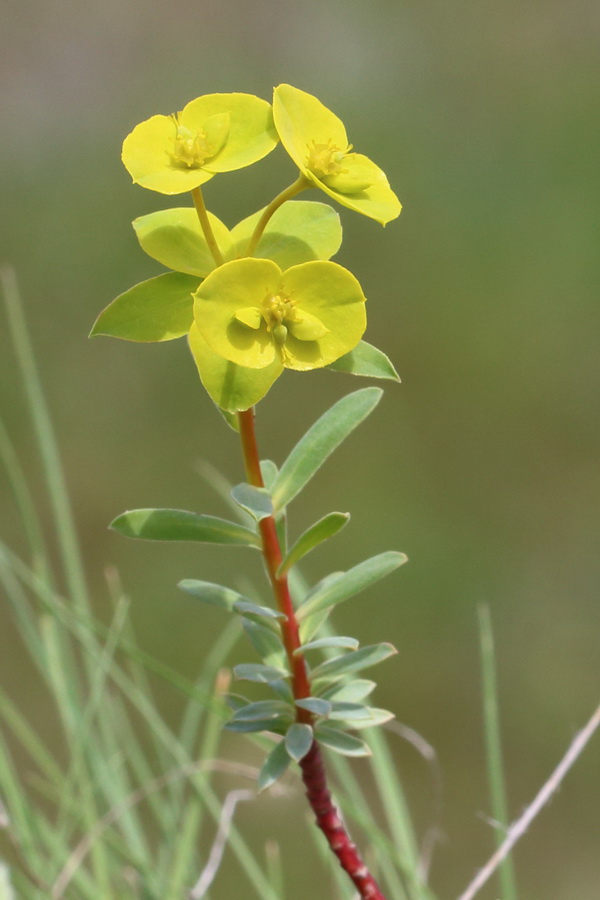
(481, 466)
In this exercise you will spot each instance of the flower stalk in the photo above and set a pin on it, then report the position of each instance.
(312, 766)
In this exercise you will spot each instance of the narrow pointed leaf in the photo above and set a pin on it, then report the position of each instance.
(347, 643)
(262, 709)
(366, 360)
(320, 441)
(278, 725)
(315, 705)
(274, 766)
(214, 594)
(341, 709)
(268, 470)
(180, 525)
(254, 500)
(312, 537)
(354, 661)
(311, 624)
(374, 718)
(159, 309)
(352, 582)
(247, 608)
(266, 642)
(259, 673)
(351, 691)
(345, 744)
(298, 740)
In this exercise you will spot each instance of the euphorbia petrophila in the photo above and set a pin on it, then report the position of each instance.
(255, 300)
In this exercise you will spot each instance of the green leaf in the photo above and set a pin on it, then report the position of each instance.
(274, 766)
(298, 740)
(232, 388)
(372, 719)
(254, 500)
(247, 608)
(267, 643)
(180, 525)
(351, 582)
(298, 232)
(347, 643)
(312, 537)
(282, 688)
(262, 709)
(311, 624)
(159, 309)
(351, 691)
(174, 238)
(278, 725)
(315, 705)
(345, 744)
(259, 673)
(366, 360)
(341, 709)
(354, 661)
(269, 471)
(214, 594)
(320, 441)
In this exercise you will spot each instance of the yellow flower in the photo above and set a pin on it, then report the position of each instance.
(253, 314)
(214, 133)
(317, 142)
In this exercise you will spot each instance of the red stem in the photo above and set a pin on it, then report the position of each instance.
(313, 768)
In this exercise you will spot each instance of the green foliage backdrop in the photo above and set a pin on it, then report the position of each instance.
(482, 465)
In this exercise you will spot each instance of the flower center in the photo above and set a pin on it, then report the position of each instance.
(276, 311)
(325, 159)
(190, 150)
(193, 148)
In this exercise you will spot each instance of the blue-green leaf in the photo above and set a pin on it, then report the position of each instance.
(347, 643)
(315, 705)
(372, 719)
(320, 441)
(262, 709)
(351, 691)
(351, 582)
(298, 740)
(180, 525)
(345, 744)
(267, 643)
(354, 661)
(259, 673)
(268, 470)
(274, 766)
(367, 360)
(278, 725)
(311, 624)
(312, 537)
(247, 608)
(159, 309)
(215, 594)
(254, 500)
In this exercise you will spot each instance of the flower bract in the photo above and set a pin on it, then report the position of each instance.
(253, 314)
(214, 133)
(317, 142)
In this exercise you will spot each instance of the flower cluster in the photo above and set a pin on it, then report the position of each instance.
(264, 295)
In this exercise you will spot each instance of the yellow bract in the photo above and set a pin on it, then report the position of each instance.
(317, 142)
(214, 133)
(253, 314)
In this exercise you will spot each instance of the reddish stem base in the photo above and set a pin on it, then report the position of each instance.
(328, 820)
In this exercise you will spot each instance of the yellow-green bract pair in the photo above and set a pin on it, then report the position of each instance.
(222, 132)
(250, 319)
